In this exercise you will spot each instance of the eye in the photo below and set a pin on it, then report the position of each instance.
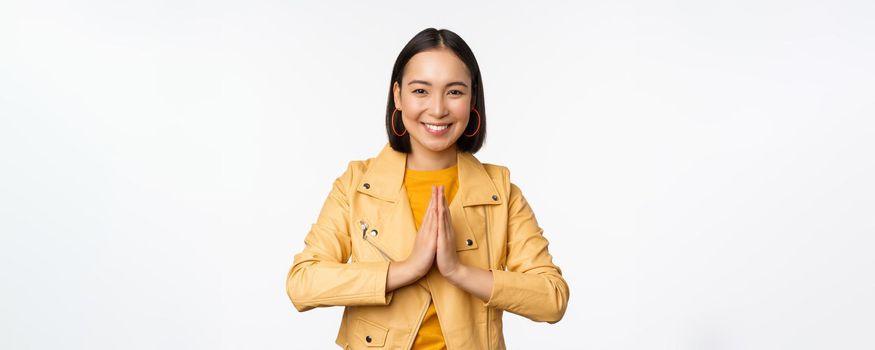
(415, 91)
(460, 93)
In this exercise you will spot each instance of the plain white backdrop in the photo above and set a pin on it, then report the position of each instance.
(703, 170)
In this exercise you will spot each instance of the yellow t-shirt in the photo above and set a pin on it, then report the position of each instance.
(418, 184)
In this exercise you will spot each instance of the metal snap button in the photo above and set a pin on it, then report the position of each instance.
(367, 185)
(368, 339)
(469, 242)
(374, 233)
(494, 197)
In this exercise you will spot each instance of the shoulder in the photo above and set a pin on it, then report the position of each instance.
(497, 172)
(500, 175)
(353, 173)
(358, 166)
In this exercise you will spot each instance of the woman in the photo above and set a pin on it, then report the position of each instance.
(424, 245)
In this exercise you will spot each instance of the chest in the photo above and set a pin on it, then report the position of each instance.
(386, 230)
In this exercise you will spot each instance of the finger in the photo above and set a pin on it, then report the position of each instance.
(426, 220)
(431, 204)
(433, 200)
(430, 212)
(444, 198)
(437, 202)
(440, 226)
(440, 199)
(441, 218)
(435, 225)
(435, 208)
(446, 206)
(448, 223)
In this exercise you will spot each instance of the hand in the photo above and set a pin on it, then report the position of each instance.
(425, 245)
(447, 258)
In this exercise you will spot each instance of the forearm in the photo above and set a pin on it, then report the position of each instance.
(311, 284)
(400, 274)
(474, 280)
(540, 294)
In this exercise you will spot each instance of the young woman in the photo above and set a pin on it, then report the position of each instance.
(424, 245)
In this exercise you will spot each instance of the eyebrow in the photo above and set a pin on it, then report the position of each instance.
(429, 84)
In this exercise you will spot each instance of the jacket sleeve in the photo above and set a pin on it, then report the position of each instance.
(532, 286)
(320, 275)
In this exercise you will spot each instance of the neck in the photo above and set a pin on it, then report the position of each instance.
(421, 158)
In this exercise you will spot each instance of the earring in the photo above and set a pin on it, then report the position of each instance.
(393, 124)
(478, 123)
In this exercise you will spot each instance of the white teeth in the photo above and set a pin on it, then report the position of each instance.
(435, 127)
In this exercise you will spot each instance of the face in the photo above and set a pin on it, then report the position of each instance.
(434, 99)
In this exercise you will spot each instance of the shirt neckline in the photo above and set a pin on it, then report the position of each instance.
(453, 167)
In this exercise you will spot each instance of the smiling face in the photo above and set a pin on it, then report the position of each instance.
(435, 100)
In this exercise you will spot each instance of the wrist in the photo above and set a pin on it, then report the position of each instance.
(412, 271)
(458, 274)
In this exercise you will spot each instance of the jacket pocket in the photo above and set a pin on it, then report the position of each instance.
(370, 333)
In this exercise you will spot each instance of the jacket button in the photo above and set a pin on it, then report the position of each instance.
(494, 197)
(367, 185)
(368, 339)
(469, 242)
(374, 233)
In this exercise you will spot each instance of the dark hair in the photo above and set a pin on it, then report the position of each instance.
(427, 39)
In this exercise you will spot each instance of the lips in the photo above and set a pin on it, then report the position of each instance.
(436, 129)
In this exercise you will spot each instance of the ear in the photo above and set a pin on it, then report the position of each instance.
(396, 92)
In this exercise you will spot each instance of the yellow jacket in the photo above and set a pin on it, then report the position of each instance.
(366, 221)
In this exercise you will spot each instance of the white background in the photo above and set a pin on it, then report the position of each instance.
(703, 170)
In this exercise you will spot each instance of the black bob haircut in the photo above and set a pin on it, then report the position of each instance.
(427, 39)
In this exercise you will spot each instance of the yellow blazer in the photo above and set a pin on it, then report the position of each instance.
(366, 222)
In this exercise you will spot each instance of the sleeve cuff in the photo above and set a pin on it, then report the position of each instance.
(380, 288)
(498, 282)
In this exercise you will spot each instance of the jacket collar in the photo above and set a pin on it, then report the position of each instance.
(385, 176)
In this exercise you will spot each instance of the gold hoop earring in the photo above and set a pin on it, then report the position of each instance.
(478, 123)
(393, 124)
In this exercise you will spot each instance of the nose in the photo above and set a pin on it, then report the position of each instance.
(438, 106)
